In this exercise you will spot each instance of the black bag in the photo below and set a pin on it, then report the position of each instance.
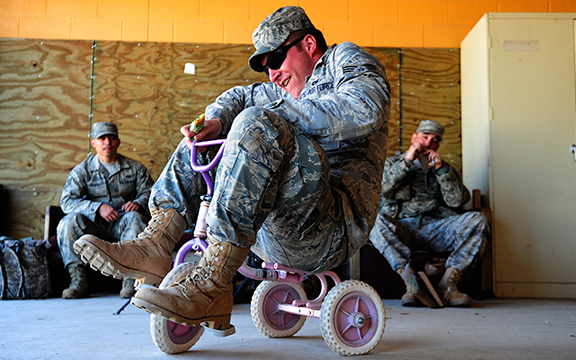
(24, 272)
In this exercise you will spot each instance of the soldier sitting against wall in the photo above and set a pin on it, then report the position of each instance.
(420, 193)
(106, 195)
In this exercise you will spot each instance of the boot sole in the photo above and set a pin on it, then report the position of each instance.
(99, 261)
(459, 303)
(220, 322)
(83, 295)
(462, 302)
(411, 302)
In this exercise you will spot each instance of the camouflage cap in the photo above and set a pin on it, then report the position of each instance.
(431, 127)
(274, 30)
(103, 128)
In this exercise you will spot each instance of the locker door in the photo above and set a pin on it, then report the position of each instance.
(533, 172)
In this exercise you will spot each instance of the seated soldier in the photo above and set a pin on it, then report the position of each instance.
(106, 195)
(420, 193)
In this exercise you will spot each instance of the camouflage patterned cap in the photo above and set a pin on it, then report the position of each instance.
(274, 30)
(431, 127)
(103, 128)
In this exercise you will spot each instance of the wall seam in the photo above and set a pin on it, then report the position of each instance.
(400, 112)
(92, 84)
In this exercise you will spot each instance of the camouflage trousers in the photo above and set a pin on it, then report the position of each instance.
(74, 225)
(464, 236)
(272, 193)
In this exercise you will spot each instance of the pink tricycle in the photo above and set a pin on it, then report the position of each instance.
(352, 315)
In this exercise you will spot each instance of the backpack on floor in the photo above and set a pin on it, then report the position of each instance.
(24, 272)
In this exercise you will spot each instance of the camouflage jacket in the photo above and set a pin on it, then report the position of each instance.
(89, 185)
(344, 106)
(408, 191)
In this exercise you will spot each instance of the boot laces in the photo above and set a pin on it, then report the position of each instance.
(203, 272)
(451, 289)
(409, 280)
(151, 228)
(452, 279)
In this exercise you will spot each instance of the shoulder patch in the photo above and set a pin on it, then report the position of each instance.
(360, 68)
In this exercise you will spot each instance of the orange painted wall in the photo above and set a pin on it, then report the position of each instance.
(380, 23)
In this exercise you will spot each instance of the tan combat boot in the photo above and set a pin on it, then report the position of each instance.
(178, 274)
(127, 288)
(204, 296)
(78, 283)
(409, 298)
(449, 292)
(148, 258)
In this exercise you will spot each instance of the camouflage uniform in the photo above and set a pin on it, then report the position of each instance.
(417, 212)
(88, 186)
(298, 177)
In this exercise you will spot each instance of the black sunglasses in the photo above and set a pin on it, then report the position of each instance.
(277, 57)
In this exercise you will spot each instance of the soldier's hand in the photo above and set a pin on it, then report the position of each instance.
(108, 213)
(434, 159)
(415, 148)
(131, 206)
(212, 128)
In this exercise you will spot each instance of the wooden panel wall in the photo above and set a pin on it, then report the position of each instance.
(44, 107)
(142, 87)
(390, 57)
(51, 92)
(430, 89)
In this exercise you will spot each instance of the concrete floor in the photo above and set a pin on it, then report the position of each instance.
(491, 329)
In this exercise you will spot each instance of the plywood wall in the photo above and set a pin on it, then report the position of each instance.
(430, 89)
(44, 108)
(51, 91)
(142, 88)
